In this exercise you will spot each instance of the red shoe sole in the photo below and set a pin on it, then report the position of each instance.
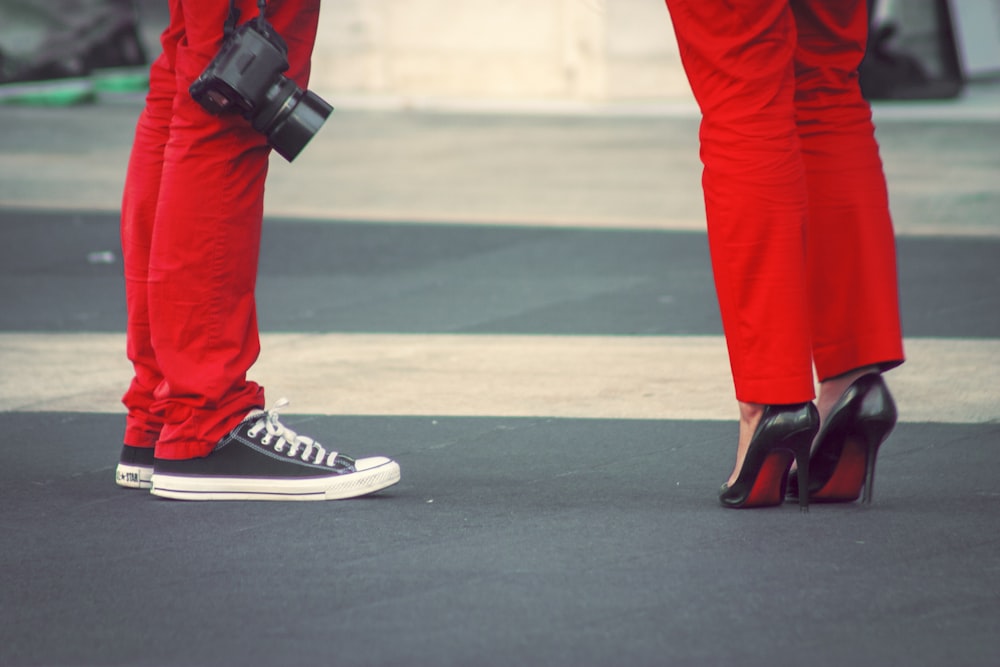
(848, 477)
(767, 489)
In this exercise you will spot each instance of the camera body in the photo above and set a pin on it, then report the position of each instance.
(246, 77)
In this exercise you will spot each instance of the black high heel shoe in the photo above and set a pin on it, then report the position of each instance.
(843, 458)
(784, 432)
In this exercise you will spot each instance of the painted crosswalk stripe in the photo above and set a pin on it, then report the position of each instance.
(616, 377)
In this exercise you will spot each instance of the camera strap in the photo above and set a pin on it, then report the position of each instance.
(230, 24)
(234, 16)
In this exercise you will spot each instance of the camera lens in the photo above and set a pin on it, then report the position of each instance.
(290, 117)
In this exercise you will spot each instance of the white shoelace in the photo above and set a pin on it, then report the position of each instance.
(285, 436)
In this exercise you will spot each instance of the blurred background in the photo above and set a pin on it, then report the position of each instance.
(488, 52)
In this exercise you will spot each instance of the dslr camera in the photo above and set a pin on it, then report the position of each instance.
(246, 77)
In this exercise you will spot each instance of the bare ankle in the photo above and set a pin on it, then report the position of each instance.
(831, 389)
(750, 414)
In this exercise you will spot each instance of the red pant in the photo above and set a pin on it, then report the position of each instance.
(191, 225)
(801, 240)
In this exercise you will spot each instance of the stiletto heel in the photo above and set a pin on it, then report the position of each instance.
(784, 432)
(869, 477)
(802, 474)
(875, 420)
(843, 458)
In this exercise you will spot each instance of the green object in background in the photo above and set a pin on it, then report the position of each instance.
(53, 93)
(50, 56)
(77, 90)
(120, 79)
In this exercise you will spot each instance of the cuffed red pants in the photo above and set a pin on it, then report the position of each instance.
(191, 226)
(802, 246)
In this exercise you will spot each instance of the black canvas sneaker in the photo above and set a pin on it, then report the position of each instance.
(262, 459)
(135, 467)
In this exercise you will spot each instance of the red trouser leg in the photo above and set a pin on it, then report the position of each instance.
(142, 188)
(739, 60)
(191, 225)
(762, 164)
(851, 247)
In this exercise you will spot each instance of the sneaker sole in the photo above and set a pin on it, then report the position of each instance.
(134, 477)
(341, 487)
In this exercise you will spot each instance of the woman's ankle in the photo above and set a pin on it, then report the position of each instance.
(750, 414)
(831, 389)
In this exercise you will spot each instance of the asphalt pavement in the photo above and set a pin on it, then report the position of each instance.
(516, 304)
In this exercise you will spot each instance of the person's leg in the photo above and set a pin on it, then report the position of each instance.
(198, 334)
(139, 203)
(851, 249)
(738, 57)
(206, 240)
(203, 254)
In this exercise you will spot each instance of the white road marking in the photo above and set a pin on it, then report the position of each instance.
(617, 377)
